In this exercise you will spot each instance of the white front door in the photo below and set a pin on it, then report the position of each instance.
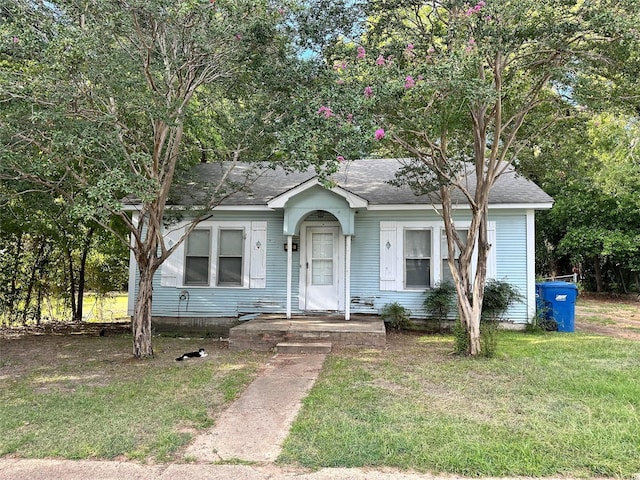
(322, 268)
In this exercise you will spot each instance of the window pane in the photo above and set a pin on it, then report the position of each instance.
(322, 272)
(231, 242)
(446, 271)
(417, 273)
(198, 243)
(417, 243)
(230, 271)
(443, 243)
(196, 271)
(322, 245)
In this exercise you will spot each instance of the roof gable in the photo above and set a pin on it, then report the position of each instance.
(279, 201)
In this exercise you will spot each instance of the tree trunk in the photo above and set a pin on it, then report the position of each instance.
(77, 315)
(32, 281)
(72, 280)
(141, 321)
(14, 274)
(469, 293)
(598, 273)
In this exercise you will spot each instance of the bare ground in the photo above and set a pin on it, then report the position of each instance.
(616, 316)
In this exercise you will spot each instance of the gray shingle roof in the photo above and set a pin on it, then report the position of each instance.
(367, 178)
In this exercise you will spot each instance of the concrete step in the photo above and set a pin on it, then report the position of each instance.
(289, 347)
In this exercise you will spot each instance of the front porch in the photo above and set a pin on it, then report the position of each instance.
(267, 331)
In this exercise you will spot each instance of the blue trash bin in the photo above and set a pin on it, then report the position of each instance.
(557, 300)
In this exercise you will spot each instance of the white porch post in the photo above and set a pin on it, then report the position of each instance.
(347, 278)
(289, 266)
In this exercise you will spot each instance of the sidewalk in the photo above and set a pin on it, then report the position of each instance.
(11, 469)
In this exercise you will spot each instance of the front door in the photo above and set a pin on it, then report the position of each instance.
(322, 266)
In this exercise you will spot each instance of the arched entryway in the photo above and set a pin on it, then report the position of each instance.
(324, 219)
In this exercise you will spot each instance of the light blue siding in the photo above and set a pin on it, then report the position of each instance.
(511, 257)
(366, 296)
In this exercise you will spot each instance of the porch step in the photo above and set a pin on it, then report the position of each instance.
(289, 347)
(267, 331)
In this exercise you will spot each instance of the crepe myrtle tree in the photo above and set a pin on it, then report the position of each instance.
(451, 85)
(112, 99)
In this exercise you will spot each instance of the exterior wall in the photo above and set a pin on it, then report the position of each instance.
(511, 260)
(366, 295)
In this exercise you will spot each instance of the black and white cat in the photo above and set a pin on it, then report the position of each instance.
(199, 353)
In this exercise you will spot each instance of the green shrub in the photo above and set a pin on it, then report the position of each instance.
(440, 301)
(498, 297)
(396, 316)
(460, 339)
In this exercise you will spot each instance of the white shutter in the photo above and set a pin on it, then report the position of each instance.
(388, 254)
(492, 269)
(258, 249)
(172, 267)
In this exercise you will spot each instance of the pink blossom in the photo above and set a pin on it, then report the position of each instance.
(15, 40)
(380, 60)
(238, 36)
(431, 50)
(340, 66)
(475, 9)
(340, 158)
(281, 11)
(361, 52)
(409, 82)
(326, 111)
(410, 46)
(368, 91)
(340, 81)
(470, 45)
(349, 117)
(420, 77)
(379, 134)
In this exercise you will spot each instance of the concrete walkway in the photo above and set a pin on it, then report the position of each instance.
(254, 427)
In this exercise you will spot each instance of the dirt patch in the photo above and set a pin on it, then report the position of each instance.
(61, 357)
(615, 316)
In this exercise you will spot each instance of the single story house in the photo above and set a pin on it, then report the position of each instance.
(288, 245)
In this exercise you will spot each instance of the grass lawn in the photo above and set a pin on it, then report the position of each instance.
(549, 404)
(78, 396)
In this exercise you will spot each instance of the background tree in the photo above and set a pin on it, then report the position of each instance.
(105, 104)
(452, 85)
(588, 163)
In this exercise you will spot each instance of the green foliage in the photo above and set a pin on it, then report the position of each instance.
(440, 301)
(460, 339)
(588, 163)
(396, 316)
(499, 295)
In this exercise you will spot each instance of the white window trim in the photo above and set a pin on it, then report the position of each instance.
(215, 251)
(392, 252)
(402, 242)
(254, 256)
(184, 251)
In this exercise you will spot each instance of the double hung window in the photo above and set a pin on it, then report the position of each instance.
(417, 258)
(230, 257)
(197, 256)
